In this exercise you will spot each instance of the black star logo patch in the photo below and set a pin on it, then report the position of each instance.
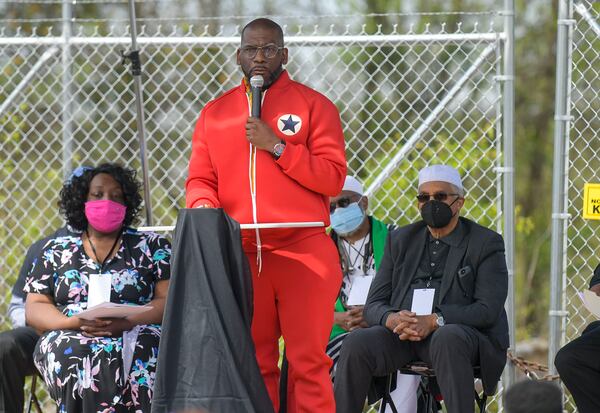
(289, 124)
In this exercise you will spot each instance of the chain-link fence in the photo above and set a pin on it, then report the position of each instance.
(578, 144)
(411, 90)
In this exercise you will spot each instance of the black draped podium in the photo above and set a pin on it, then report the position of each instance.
(206, 360)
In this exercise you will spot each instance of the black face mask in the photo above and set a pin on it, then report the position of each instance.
(436, 214)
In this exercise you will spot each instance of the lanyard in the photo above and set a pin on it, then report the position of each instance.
(96, 254)
(365, 254)
(360, 253)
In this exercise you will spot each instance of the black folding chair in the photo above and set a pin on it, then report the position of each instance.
(430, 404)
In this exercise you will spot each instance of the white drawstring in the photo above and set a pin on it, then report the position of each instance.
(252, 179)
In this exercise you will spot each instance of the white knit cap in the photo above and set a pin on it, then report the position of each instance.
(440, 173)
(352, 184)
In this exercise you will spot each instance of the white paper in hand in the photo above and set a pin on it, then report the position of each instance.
(112, 310)
(591, 301)
(360, 289)
(99, 289)
(422, 302)
(129, 342)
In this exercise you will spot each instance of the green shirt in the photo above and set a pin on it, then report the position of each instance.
(379, 232)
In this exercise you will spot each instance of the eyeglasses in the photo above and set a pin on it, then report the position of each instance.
(341, 203)
(438, 196)
(269, 51)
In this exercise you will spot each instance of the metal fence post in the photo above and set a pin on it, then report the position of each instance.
(559, 176)
(136, 71)
(509, 186)
(67, 105)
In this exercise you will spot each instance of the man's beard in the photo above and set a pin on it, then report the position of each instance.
(271, 78)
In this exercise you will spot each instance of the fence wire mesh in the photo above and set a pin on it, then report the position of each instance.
(429, 86)
(582, 241)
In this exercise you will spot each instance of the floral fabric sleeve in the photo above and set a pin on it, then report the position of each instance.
(41, 275)
(160, 249)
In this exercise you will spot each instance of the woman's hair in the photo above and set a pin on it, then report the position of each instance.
(74, 192)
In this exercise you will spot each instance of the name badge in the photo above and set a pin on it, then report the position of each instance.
(99, 289)
(422, 302)
(360, 289)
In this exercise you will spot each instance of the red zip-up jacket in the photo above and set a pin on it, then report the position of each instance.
(294, 188)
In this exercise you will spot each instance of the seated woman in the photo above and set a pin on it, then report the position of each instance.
(101, 365)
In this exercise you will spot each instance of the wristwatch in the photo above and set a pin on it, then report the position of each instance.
(440, 320)
(278, 149)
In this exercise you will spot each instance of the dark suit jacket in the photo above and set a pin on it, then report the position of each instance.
(473, 289)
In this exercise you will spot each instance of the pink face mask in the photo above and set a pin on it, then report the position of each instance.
(105, 215)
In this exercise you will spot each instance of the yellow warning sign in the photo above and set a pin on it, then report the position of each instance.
(591, 201)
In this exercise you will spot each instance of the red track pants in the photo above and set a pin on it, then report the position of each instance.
(294, 296)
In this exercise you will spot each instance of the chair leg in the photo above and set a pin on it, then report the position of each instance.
(383, 405)
(481, 401)
(392, 405)
(31, 396)
(387, 398)
(431, 403)
(33, 400)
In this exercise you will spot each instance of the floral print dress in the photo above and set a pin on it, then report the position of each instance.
(89, 375)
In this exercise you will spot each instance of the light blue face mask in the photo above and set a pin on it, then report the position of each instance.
(346, 220)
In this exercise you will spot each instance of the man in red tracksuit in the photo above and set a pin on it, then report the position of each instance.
(280, 168)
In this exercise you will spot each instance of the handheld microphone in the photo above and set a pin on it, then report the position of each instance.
(256, 84)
